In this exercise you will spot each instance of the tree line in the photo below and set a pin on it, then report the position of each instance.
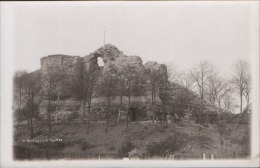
(202, 80)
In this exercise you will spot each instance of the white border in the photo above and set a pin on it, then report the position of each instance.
(7, 58)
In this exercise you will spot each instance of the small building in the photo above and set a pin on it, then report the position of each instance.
(135, 154)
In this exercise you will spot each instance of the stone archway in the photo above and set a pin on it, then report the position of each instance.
(100, 62)
(93, 61)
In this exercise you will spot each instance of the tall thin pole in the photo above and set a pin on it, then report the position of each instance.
(104, 35)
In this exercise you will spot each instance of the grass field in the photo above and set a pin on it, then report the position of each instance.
(76, 141)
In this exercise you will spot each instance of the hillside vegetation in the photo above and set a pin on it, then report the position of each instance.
(117, 142)
(74, 108)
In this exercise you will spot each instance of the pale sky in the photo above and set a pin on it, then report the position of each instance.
(180, 32)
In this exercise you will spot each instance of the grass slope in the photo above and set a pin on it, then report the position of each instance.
(140, 134)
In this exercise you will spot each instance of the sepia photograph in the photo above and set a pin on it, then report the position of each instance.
(173, 82)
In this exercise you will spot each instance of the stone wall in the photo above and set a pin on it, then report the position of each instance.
(73, 65)
(68, 66)
(110, 55)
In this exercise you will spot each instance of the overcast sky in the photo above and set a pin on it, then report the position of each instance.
(180, 32)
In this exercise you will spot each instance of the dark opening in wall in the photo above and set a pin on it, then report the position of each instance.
(100, 62)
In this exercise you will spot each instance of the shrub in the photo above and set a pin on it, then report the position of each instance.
(73, 115)
(244, 143)
(24, 113)
(112, 148)
(203, 142)
(126, 147)
(223, 129)
(170, 145)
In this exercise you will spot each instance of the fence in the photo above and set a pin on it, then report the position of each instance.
(172, 157)
(21, 153)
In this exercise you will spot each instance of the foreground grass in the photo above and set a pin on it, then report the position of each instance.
(75, 139)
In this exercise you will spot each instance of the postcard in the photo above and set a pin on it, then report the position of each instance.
(130, 84)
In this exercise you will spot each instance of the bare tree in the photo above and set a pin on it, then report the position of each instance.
(19, 82)
(228, 100)
(186, 95)
(224, 88)
(240, 79)
(187, 82)
(221, 87)
(32, 87)
(121, 80)
(168, 79)
(201, 74)
(173, 75)
(212, 89)
(61, 80)
(89, 79)
(122, 88)
(108, 86)
(164, 89)
(76, 86)
(247, 91)
(153, 77)
(49, 80)
(131, 76)
(217, 89)
(53, 82)
(83, 87)
(174, 80)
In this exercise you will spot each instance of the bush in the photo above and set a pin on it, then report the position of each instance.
(112, 148)
(203, 142)
(244, 143)
(125, 148)
(170, 145)
(223, 129)
(24, 113)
